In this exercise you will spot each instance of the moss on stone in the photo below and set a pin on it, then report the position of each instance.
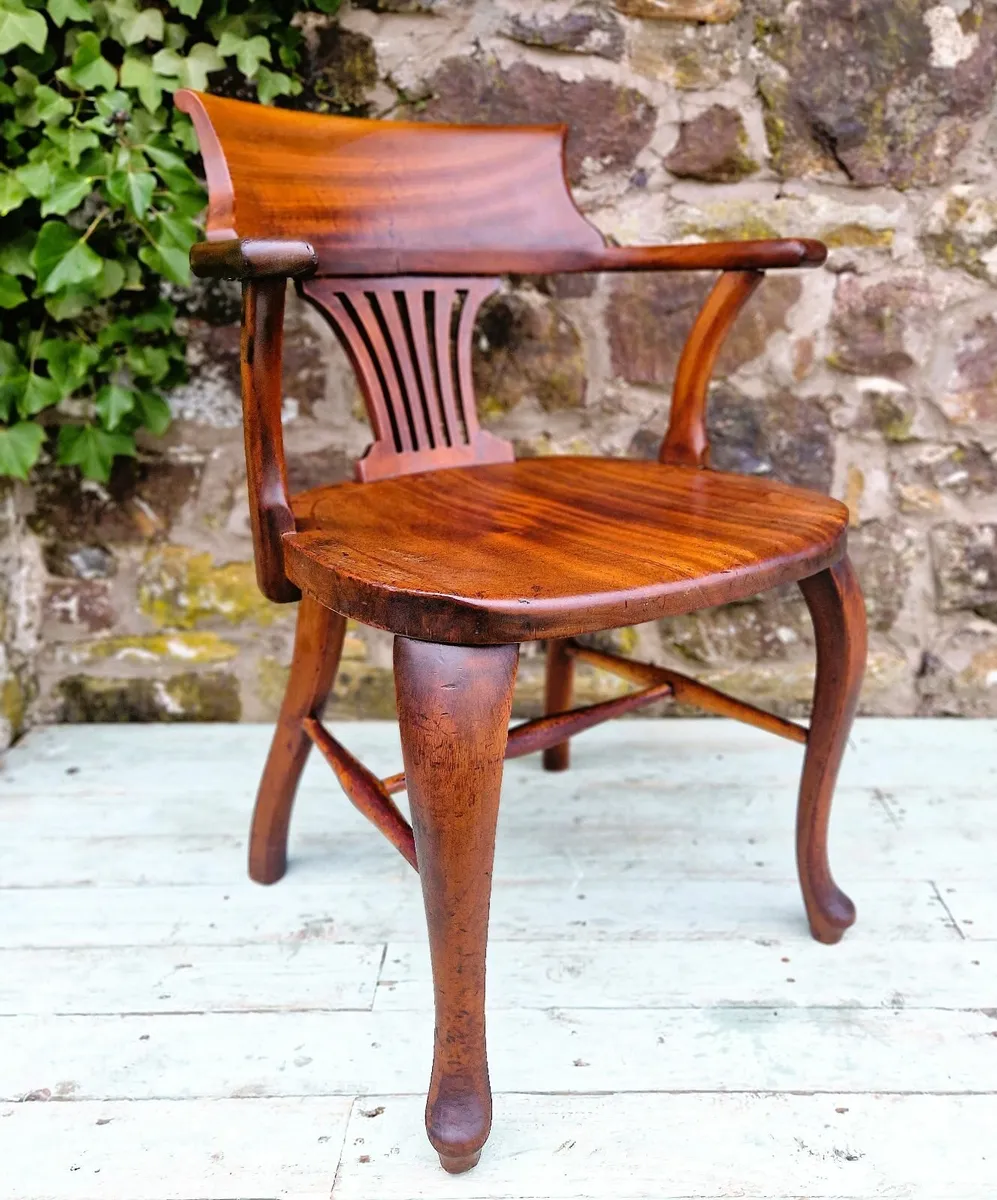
(187, 647)
(191, 696)
(854, 234)
(180, 589)
(13, 704)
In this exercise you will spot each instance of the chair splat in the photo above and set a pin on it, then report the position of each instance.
(409, 340)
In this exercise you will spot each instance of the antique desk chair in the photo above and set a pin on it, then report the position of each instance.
(397, 232)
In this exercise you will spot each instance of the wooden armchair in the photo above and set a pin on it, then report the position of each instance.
(397, 232)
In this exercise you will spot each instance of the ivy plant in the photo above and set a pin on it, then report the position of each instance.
(100, 203)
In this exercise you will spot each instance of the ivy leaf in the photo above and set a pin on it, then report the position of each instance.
(148, 362)
(271, 84)
(133, 189)
(11, 292)
(178, 231)
(43, 107)
(19, 26)
(92, 449)
(20, 446)
(113, 403)
(13, 193)
(78, 141)
(249, 52)
(62, 11)
(158, 319)
(173, 171)
(69, 363)
(189, 8)
(38, 393)
(61, 258)
(15, 255)
(192, 70)
(137, 73)
(37, 177)
(90, 69)
(329, 7)
(147, 24)
(155, 412)
(68, 190)
(169, 261)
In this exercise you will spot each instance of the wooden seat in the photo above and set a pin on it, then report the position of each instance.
(396, 233)
(552, 547)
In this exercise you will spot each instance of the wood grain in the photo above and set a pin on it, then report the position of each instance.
(838, 613)
(552, 547)
(453, 706)
(318, 643)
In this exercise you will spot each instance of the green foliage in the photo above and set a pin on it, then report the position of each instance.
(100, 203)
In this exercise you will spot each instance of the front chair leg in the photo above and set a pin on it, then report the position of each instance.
(318, 644)
(838, 613)
(454, 704)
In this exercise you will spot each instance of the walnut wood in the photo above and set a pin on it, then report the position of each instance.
(364, 790)
(552, 547)
(559, 682)
(838, 614)
(688, 691)
(543, 732)
(269, 507)
(686, 443)
(415, 377)
(453, 707)
(764, 255)
(252, 258)
(318, 643)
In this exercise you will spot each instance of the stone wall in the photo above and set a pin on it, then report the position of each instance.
(871, 126)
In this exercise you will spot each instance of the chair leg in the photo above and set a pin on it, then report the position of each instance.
(454, 704)
(558, 690)
(838, 613)
(318, 643)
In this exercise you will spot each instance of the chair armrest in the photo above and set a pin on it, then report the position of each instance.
(714, 256)
(252, 258)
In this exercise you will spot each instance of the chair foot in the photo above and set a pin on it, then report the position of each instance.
(318, 643)
(559, 685)
(457, 1166)
(838, 613)
(454, 704)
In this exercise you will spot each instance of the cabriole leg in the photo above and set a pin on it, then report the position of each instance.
(557, 698)
(838, 614)
(318, 643)
(454, 704)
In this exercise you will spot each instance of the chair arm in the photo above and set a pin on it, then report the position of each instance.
(713, 256)
(252, 258)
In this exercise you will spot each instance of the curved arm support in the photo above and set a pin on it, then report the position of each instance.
(686, 443)
(269, 505)
(764, 255)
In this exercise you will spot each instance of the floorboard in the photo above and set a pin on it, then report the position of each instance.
(660, 1023)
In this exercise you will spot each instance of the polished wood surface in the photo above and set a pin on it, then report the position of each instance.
(409, 340)
(397, 197)
(397, 232)
(838, 613)
(364, 790)
(686, 443)
(686, 690)
(318, 644)
(454, 704)
(270, 513)
(552, 547)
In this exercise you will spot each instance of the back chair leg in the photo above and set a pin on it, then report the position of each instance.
(838, 613)
(558, 691)
(454, 704)
(318, 644)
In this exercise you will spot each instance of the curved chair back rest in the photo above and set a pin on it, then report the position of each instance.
(391, 197)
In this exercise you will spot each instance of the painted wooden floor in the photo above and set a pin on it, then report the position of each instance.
(660, 1023)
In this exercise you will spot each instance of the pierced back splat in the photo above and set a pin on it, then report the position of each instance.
(409, 340)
